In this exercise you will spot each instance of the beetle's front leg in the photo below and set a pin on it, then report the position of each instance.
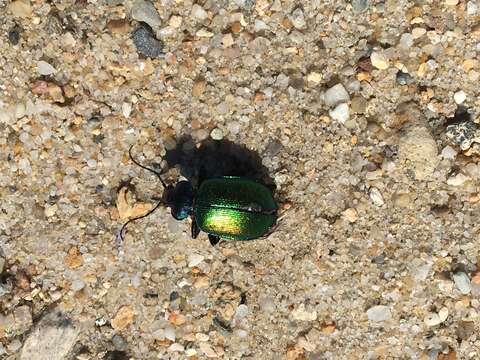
(195, 229)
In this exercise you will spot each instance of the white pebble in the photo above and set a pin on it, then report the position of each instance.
(92, 163)
(207, 350)
(406, 40)
(216, 134)
(78, 285)
(341, 113)
(169, 333)
(336, 95)
(457, 180)
(459, 97)
(195, 259)
(379, 60)
(432, 319)
(314, 78)
(443, 314)
(418, 32)
(376, 196)
(199, 13)
(303, 315)
(241, 333)
(5, 116)
(176, 347)
(449, 153)
(472, 8)
(462, 282)
(126, 109)
(24, 165)
(202, 337)
(45, 68)
(20, 110)
(451, 2)
(242, 311)
(298, 19)
(234, 127)
(259, 25)
(50, 210)
(379, 313)
(190, 352)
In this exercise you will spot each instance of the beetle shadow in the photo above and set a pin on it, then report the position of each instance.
(198, 161)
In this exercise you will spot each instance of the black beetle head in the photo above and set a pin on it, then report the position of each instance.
(180, 199)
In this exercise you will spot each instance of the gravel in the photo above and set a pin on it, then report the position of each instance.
(362, 115)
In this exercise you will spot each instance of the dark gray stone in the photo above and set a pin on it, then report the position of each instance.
(146, 43)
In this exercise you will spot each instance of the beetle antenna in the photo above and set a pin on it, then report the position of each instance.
(122, 230)
(146, 168)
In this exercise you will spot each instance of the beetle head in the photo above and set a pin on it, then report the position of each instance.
(180, 199)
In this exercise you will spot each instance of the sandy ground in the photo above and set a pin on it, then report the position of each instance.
(363, 114)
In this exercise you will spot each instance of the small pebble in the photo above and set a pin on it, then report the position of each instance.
(472, 8)
(199, 13)
(119, 343)
(406, 40)
(207, 350)
(448, 152)
(379, 60)
(314, 78)
(202, 337)
(21, 8)
(233, 127)
(301, 314)
(14, 35)
(457, 180)
(45, 68)
(403, 78)
(418, 32)
(451, 2)
(100, 321)
(336, 95)
(259, 25)
(459, 97)
(14, 345)
(341, 113)
(432, 319)
(351, 215)
(195, 259)
(146, 43)
(216, 134)
(145, 11)
(176, 347)
(379, 313)
(376, 196)
(462, 282)
(169, 333)
(175, 21)
(126, 109)
(298, 19)
(190, 352)
(242, 311)
(78, 285)
(359, 6)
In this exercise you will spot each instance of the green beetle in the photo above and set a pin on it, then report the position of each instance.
(228, 207)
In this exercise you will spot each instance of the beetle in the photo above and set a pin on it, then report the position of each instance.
(226, 207)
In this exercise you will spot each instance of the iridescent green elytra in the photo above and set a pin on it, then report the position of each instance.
(234, 208)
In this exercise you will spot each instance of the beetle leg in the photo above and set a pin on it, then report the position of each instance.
(195, 229)
(213, 239)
